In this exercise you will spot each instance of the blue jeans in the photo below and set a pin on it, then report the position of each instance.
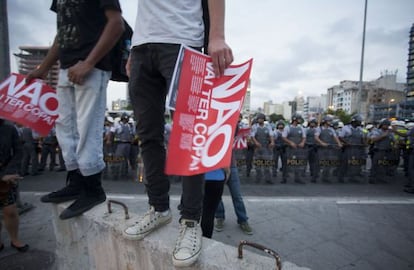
(234, 186)
(80, 123)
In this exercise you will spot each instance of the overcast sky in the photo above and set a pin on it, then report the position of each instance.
(298, 46)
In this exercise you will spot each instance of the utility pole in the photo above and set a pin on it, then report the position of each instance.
(361, 70)
(4, 42)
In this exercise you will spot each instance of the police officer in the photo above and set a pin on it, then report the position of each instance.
(409, 139)
(49, 149)
(30, 146)
(250, 151)
(133, 154)
(352, 136)
(326, 137)
(123, 138)
(312, 148)
(382, 138)
(294, 136)
(262, 136)
(279, 151)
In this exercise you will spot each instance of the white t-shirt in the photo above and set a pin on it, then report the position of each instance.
(165, 21)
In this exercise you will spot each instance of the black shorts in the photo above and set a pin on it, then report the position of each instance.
(10, 198)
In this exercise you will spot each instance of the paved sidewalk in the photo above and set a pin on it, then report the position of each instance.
(332, 227)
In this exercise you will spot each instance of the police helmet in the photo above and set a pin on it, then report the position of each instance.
(313, 120)
(327, 119)
(296, 117)
(335, 123)
(356, 118)
(384, 122)
(369, 126)
(124, 116)
(280, 123)
(261, 116)
(110, 119)
(409, 125)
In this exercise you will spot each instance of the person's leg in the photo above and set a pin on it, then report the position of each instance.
(410, 169)
(66, 124)
(234, 187)
(192, 197)
(52, 152)
(25, 160)
(147, 89)
(34, 158)
(11, 223)
(11, 220)
(213, 190)
(220, 212)
(152, 66)
(374, 168)
(276, 156)
(90, 101)
(43, 157)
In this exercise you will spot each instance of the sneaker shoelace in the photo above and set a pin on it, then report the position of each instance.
(148, 218)
(188, 236)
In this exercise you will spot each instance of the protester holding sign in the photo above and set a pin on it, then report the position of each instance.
(161, 27)
(87, 31)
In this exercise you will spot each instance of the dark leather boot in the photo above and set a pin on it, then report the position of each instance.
(70, 192)
(92, 195)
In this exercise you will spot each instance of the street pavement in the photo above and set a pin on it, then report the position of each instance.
(318, 226)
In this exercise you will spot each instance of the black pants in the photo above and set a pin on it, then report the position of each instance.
(152, 67)
(213, 190)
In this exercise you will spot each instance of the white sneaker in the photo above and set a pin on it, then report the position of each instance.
(188, 245)
(148, 223)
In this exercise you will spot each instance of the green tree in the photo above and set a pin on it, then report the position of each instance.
(340, 114)
(275, 117)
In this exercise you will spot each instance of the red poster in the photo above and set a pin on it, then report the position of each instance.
(240, 142)
(206, 113)
(33, 105)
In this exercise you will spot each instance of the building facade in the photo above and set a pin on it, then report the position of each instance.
(410, 67)
(30, 57)
(314, 106)
(384, 91)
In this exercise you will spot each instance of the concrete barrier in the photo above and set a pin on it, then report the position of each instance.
(94, 241)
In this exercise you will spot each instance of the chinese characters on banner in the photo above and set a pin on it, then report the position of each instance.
(240, 141)
(206, 113)
(33, 105)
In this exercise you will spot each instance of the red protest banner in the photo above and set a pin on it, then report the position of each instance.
(240, 142)
(206, 112)
(33, 105)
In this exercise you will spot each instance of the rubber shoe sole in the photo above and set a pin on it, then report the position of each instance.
(48, 199)
(80, 206)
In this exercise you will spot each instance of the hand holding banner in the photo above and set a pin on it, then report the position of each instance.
(240, 142)
(33, 105)
(206, 112)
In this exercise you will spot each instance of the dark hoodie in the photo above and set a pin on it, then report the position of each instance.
(10, 149)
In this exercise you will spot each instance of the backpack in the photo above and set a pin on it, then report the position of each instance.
(119, 55)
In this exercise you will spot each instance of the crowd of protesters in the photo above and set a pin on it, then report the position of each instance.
(326, 150)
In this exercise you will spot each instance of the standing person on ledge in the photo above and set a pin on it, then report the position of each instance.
(161, 27)
(86, 33)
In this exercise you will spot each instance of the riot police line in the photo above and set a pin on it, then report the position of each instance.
(325, 151)
(288, 149)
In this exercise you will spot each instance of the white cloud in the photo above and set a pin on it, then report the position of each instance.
(297, 45)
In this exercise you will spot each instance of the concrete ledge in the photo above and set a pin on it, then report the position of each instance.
(94, 241)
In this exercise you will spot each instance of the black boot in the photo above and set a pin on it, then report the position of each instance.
(91, 196)
(70, 192)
